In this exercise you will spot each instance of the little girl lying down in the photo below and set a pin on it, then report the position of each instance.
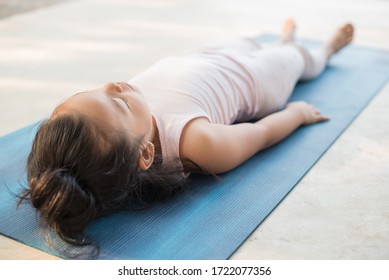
(133, 143)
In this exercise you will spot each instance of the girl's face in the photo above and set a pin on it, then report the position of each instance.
(116, 106)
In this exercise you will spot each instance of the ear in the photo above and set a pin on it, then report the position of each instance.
(146, 157)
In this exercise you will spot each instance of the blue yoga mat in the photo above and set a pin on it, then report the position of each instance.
(212, 219)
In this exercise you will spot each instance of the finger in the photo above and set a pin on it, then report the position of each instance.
(323, 118)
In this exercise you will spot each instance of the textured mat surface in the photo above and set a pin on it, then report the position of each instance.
(212, 219)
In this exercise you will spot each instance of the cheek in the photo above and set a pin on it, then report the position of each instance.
(143, 108)
(147, 119)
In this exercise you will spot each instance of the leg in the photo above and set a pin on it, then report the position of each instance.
(250, 44)
(342, 37)
(316, 59)
(288, 31)
(278, 68)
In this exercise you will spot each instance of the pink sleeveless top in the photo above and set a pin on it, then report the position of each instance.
(220, 85)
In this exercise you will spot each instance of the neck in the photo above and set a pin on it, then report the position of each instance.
(155, 138)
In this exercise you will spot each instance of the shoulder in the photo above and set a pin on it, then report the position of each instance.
(196, 137)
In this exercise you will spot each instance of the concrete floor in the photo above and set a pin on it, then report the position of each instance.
(13, 7)
(338, 211)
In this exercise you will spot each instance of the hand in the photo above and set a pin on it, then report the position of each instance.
(310, 113)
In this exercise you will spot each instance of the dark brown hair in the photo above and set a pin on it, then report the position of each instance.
(77, 172)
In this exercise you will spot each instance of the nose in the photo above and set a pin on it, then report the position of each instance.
(112, 88)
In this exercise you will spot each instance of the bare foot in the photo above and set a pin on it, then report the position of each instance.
(288, 30)
(342, 37)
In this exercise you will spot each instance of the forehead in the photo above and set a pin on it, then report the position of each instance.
(94, 106)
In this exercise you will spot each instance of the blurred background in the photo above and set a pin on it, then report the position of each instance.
(12, 7)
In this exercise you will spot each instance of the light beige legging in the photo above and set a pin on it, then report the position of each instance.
(278, 67)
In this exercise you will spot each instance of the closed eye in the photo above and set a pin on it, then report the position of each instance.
(126, 102)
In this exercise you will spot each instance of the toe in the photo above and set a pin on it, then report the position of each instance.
(349, 28)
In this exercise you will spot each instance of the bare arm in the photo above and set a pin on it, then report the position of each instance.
(220, 148)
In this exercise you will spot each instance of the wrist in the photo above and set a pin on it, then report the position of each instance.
(297, 112)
